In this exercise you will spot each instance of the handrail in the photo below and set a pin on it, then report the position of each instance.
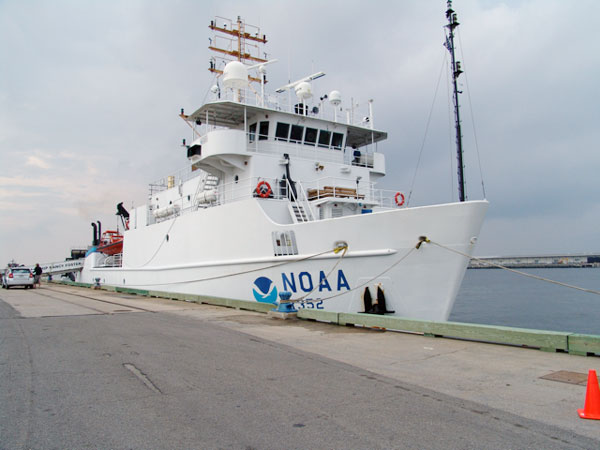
(355, 115)
(306, 192)
(304, 201)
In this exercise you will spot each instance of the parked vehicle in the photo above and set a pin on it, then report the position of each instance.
(17, 276)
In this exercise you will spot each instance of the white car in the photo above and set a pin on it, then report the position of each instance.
(17, 276)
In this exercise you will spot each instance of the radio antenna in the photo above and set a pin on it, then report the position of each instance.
(456, 71)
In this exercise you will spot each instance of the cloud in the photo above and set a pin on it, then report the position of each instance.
(90, 95)
(38, 162)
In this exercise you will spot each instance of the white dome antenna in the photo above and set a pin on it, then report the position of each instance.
(335, 98)
(303, 90)
(235, 75)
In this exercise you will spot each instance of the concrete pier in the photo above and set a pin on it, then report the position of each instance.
(83, 367)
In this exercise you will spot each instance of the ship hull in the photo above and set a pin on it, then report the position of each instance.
(228, 252)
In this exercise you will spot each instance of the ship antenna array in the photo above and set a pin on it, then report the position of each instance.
(456, 71)
(236, 41)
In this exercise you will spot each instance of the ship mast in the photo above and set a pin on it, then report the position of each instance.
(456, 71)
(235, 41)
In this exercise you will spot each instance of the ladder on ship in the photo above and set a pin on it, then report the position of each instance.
(206, 182)
(211, 181)
(300, 207)
(298, 212)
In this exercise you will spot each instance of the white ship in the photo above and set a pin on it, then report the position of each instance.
(280, 196)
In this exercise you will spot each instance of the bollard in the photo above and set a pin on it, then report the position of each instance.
(285, 309)
(284, 306)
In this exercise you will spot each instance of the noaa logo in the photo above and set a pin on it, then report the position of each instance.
(265, 290)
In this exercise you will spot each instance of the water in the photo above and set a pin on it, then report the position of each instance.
(499, 297)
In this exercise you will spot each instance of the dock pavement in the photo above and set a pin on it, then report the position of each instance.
(83, 367)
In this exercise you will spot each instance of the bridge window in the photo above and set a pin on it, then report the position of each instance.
(337, 140)
(282, 131)
(311, 136)
(252, 133)
(263, 132)
(324, 138)
(296, 134)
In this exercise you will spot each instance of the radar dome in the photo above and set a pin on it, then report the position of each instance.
(335, 98)
(303, 90)
(235, 75)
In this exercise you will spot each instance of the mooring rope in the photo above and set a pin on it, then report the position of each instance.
(217, 277)
(518, 272)
(301, 300)
(338, 249)
(164, 239)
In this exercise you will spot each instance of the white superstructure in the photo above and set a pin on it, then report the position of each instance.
(273, 188)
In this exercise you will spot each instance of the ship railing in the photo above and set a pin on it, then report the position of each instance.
(298, 150)
(178, 177)
(275, 188)
(357, 114)
(340, 188)
(387, 198)
(301, 195)
(113, 261)
(297, 194)
(363, 157)
(249, 187)
(361, 190)
(305, 192)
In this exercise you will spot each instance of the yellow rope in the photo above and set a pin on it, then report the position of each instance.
(340, 248)
(412, 249)
(244, 272)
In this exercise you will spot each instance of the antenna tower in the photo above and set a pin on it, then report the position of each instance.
(235, 41)
(456, 71)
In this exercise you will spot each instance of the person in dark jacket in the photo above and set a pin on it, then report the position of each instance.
(37, 272)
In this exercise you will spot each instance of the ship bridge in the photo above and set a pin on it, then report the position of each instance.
(230, 114)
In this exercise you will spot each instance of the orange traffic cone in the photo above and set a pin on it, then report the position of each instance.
(591, 410)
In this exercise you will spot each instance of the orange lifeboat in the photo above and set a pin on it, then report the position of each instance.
(111, 243)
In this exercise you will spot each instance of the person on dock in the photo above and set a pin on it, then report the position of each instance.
(37, 272)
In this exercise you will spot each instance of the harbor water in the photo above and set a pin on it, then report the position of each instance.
(500, 297)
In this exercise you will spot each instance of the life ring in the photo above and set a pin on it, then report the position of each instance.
(263, 189)
(399, 198)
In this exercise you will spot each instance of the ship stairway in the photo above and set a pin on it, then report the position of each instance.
(211, 181)
(298, 212)
(205, 182)
(299, 206)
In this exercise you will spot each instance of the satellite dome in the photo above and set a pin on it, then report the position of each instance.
(235, 75)
(303, 90)
(335, 98)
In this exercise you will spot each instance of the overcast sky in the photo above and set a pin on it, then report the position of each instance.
(90, 92)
